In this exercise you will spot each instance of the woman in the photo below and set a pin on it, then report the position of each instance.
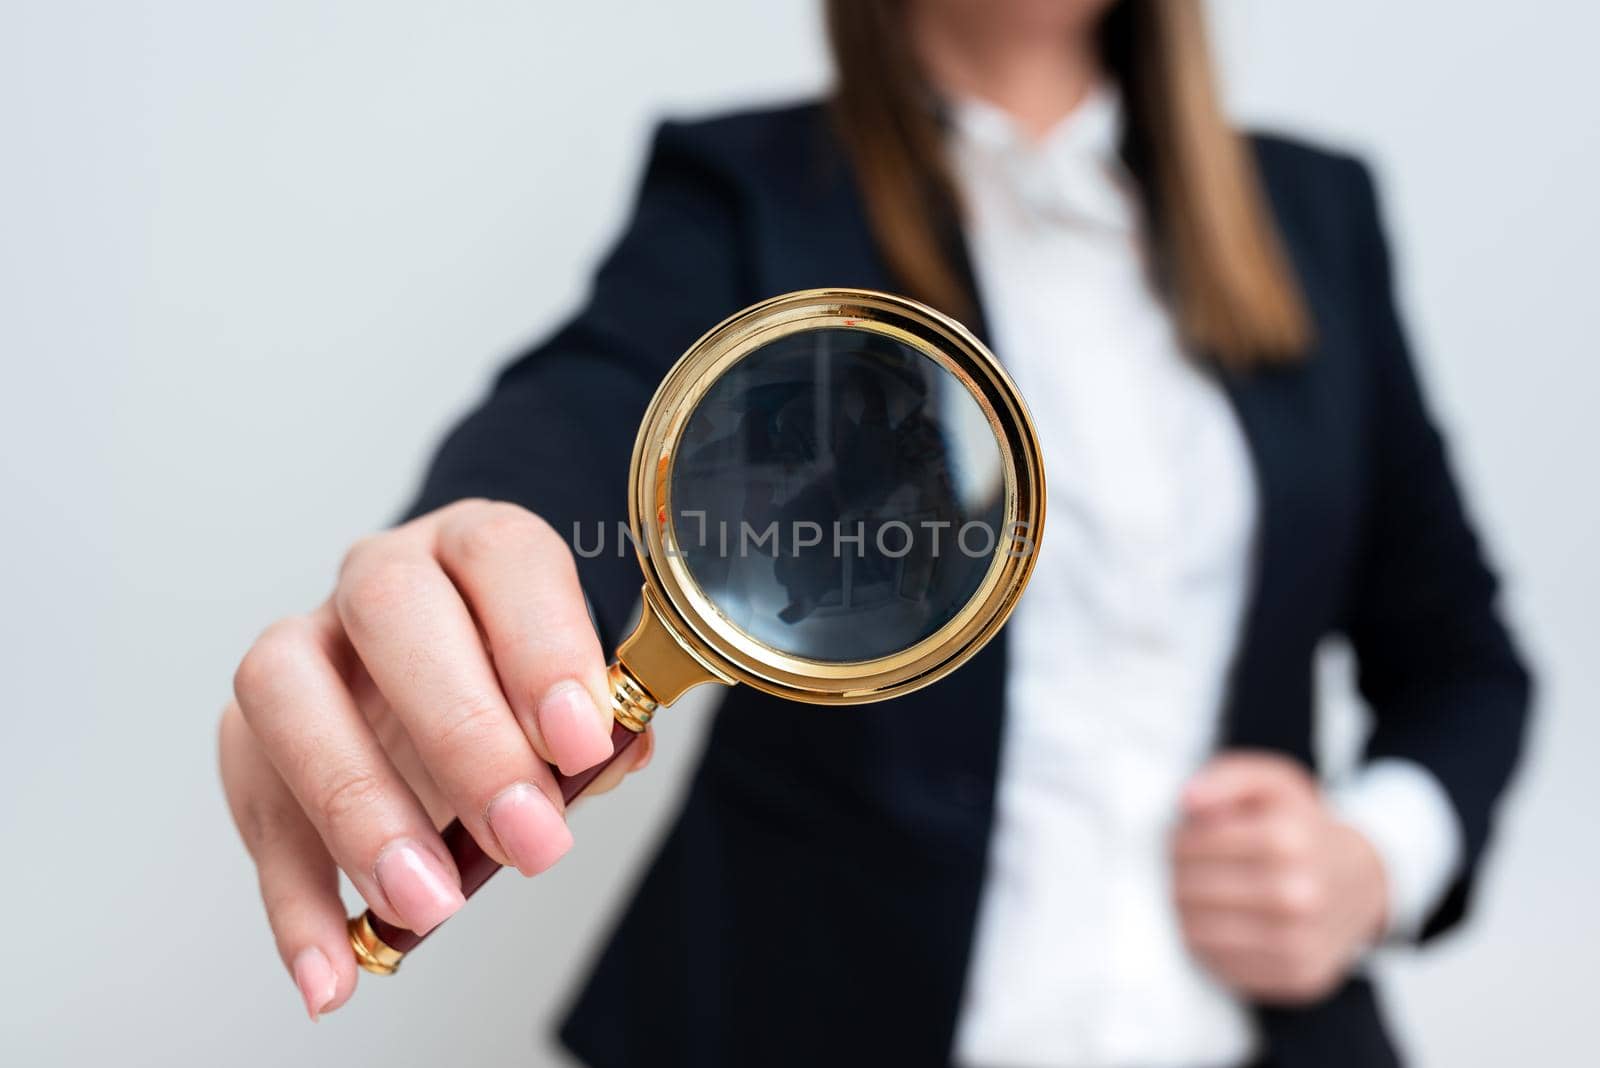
(1104, 844)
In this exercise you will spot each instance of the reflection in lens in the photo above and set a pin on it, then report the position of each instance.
(838, 495)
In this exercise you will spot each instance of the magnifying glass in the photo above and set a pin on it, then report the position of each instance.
(836, 497)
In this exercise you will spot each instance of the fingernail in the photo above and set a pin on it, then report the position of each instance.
(316, 980)
(418, 885)
(531, 831)
(572, 728)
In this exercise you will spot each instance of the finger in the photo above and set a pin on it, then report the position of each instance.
(1241, 779)
(634, 759)
(1287, 897)
(299, 882)
(397, 743)
(1267, 837)
(1218, 886)
(418, 641)
(1258, 976)
(519, 580)
(292, 697)
(1292, 973)
(1226, 931)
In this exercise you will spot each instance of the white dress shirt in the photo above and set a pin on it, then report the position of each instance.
(1120, 649)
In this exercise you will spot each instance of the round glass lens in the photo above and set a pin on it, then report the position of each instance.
(838, 495)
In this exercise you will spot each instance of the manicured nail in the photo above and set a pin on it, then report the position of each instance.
(572, 728)
(316, 980)
(418, 885)
(531, 831)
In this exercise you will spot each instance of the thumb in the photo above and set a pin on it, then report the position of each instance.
(1242, 779)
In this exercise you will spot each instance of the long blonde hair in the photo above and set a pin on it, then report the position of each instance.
(1219, 255)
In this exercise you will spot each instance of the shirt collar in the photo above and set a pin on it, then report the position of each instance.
(1073, 173)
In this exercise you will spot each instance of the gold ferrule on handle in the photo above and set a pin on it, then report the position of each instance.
(631, 703)
(372, 953)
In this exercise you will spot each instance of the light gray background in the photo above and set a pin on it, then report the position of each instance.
(254, 256)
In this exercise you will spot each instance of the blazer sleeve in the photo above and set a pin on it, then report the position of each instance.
(1436, 663)
(556, 433)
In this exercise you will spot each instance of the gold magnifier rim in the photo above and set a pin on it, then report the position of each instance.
(720, 644)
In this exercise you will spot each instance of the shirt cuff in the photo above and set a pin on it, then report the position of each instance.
(1405, 813)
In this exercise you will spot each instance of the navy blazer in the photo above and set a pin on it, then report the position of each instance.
(814, 902)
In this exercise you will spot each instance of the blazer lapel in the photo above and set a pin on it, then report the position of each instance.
(1261, 710)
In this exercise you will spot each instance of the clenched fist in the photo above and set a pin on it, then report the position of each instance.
(1277, 897)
